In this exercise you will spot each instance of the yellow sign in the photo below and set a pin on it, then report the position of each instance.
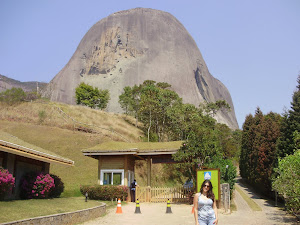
(210, 174)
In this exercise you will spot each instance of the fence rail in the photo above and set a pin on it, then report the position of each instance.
(162, 194)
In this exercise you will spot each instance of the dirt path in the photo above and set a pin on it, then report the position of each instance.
(155, 213)
(269, 214)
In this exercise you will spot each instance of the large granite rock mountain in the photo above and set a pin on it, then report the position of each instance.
(140, 44)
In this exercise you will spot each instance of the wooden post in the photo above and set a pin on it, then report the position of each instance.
(149, 171)
(99, 168)
(126, 170)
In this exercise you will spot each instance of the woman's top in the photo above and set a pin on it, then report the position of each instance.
(205, 209)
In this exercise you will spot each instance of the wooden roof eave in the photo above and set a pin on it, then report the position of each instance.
(33, 154)
(95, 153)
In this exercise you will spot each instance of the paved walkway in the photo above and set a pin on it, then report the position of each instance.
(155, 214)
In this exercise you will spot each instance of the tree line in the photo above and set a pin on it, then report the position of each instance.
(270, 152)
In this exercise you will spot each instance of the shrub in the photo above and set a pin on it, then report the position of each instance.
(287, 182)
(91, 97)
(12, 96)
(36, 185)
(226, 176)
(7, 182)
(58, 187)
(104, 192)
(32, 96)
(42, 116)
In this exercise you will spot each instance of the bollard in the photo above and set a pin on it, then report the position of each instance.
(137, 208)
(168, 207)
(86, 196)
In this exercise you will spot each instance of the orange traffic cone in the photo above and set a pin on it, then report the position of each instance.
(193, 210)
(119, 207)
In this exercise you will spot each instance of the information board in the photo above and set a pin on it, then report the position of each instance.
(210, 174)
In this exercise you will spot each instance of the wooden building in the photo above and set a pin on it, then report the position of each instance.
(116, 160)
(20, 157)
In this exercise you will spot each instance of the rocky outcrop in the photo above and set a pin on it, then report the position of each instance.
(140, 44)
(8, 83)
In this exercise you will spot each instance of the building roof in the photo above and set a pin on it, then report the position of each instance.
(14, 145)
(140, 148)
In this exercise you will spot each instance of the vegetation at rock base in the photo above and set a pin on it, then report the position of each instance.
(160, 109)
(17, 95)
(91, 97)
(165, 117)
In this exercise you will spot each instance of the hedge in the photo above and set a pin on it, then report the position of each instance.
(104, 192)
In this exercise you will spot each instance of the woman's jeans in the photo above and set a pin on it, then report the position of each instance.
(206, 222)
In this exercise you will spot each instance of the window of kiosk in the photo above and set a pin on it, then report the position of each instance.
(117, 179)
(107, 178)
(112, 177)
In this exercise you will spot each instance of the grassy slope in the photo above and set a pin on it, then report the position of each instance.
(56, 134)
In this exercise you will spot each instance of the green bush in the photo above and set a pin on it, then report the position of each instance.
(227, 175)
(42, 116)
(287, 181)
(91, 97)
(59, 187)
(12, 96)
(104, 192)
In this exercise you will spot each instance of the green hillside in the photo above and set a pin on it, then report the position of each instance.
(66, 130)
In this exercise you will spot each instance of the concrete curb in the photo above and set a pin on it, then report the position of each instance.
(75, 217)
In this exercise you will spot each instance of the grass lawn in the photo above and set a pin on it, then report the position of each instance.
(24, 209)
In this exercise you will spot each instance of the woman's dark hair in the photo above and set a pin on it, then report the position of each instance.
(210, 193)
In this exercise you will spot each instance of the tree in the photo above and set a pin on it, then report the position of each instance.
(126, 100)
(150, 103)
(290, 123)
(212, 108)
(258, 154)
(229, 144)
(202, 143)
(91, 97)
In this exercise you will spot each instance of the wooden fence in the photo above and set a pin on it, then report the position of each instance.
(162, 194)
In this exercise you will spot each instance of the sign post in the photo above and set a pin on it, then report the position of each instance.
(214, 176)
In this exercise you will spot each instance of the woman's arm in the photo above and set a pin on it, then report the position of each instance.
(196, 208)
(216, 212)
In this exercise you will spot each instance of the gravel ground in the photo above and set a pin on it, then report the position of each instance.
(155, 214)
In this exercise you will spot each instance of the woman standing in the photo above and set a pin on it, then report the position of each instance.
(206, 212)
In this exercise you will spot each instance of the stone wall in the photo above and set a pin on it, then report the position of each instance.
(69, 218)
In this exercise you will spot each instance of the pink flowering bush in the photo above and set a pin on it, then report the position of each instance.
(7, 182)
(36, 185)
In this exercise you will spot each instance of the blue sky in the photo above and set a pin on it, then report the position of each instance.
(252, 46)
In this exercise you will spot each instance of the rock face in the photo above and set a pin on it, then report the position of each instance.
(140, 44)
